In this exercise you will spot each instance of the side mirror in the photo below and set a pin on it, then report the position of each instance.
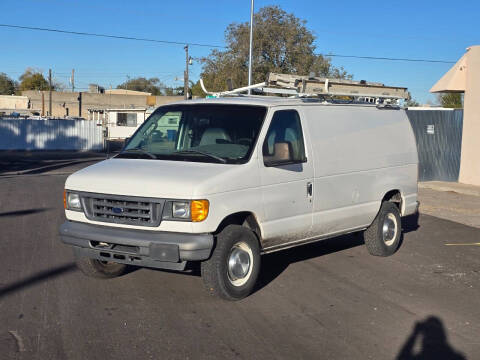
(282, 151)
(282, 155)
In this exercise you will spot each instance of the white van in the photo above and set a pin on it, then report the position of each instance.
(235, 178)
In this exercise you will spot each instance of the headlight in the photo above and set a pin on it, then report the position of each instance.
(72, 201)
(181, 210)
(194, 210)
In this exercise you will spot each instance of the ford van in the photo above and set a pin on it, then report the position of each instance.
(223, 181)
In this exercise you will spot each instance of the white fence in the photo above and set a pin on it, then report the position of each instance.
(26, 134)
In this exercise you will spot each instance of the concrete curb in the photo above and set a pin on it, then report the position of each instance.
(451, 186)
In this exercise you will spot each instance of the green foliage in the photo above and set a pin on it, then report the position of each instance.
(411, 102)
(33, 79)
(281, 43)
(152, 85)
(196, 90)
(176, 91)
(450, 100)
(7, 85)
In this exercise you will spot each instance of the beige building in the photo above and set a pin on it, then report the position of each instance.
(126, 92)
(70, 104)
(11, 103)
(464, 77)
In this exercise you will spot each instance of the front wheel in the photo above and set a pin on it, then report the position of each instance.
(100, 269)
(382, 237)
(232, 270)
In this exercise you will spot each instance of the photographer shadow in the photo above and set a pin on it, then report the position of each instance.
(433, 343)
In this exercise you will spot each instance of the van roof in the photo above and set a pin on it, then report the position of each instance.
(269, 101)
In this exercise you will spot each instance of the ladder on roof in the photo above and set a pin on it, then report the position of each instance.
(307, 86)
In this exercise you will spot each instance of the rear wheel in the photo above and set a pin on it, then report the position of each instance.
(232, 270)
(382, 238)
(100, 269)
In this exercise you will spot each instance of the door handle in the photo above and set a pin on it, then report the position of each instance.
(309, 189)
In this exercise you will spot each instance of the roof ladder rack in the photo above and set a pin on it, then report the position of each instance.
(308, 86)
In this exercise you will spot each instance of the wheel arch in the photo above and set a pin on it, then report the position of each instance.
(396, 197)
(243, 218)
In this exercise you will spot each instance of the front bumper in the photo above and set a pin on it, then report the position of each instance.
(164, 250)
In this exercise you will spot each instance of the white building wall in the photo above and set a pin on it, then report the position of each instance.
(122, 132)
(21, 134)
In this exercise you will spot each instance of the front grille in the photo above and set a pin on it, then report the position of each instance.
(122, 209)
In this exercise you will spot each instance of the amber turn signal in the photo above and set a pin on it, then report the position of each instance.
(65, 199)
(199, 210)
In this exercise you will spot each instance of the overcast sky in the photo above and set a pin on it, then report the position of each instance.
(439, 30)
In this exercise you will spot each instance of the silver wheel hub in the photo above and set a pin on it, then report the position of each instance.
(238, 263)
(389, 229)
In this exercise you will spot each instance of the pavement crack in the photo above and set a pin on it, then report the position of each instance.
(18, 340)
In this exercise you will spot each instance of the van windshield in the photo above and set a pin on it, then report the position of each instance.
(200, 133)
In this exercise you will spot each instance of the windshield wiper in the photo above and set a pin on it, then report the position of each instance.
(192, 151)
(138, 150)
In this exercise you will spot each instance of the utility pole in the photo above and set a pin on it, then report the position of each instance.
(251, 46)
(79, 104)
(50, 92)
(43, 103)
(73, 80)
(185, 75)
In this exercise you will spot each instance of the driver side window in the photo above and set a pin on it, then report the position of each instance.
(284, 141)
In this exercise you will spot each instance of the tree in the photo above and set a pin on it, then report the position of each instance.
(174, 91)
(450, 100)
(411, 102)
(33, 79)
(152, 85)
(58, 85)
(7, 85)
(196, 90)
(282, 43)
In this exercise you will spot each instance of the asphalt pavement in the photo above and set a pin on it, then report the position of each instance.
(450, 205)
(329, 300)
(41, 162)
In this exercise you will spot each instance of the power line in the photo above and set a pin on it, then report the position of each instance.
(389, 58)
(209, 45)
(109, 36)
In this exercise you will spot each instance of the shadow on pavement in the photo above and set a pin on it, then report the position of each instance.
(39, 277)
(433, 344)
(410, 223)
(23, 212)
(33, 162)
(58, 166)
(276, 263)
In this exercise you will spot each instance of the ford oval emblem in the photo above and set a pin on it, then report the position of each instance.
(117, 210)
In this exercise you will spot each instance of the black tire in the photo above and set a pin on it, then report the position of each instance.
(377, 243)
(233, 239)
(100, 269)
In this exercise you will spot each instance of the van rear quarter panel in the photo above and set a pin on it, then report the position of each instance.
(360, 153)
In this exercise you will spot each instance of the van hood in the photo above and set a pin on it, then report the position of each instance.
(160, 178)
